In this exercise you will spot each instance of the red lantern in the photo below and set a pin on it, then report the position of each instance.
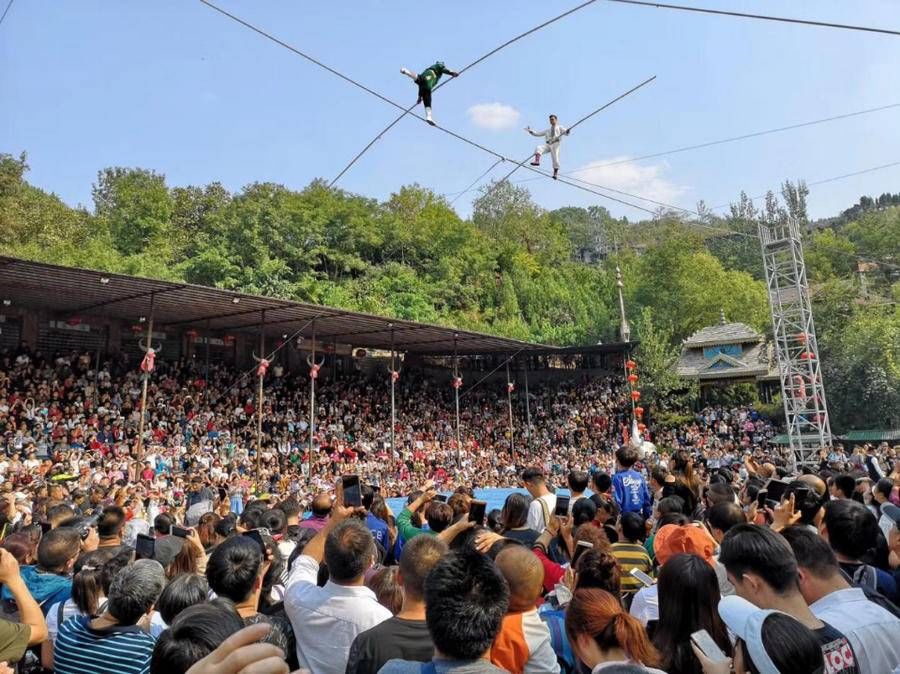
(802, 337)
(630, 364)
(642, 427)
(633, 378)
(635, 395)
(137, 329)
(191, 334)
(639, 411)
(74, 320)
(807, 355)
(228, 339)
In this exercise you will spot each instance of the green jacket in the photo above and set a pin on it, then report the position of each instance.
(409, 530)
(432, 74)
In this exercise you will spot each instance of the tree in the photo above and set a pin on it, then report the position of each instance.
(136, 206)
(657, 358)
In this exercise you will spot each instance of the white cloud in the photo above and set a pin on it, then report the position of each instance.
(493, 116)
(645, 180)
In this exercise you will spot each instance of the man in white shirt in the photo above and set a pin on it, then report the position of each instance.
(541, 508)
(873, 631)
(327, 619)
(552, 139)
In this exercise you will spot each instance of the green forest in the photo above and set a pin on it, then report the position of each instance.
(512, 268)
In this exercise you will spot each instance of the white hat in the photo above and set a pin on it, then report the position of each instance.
(746, 620)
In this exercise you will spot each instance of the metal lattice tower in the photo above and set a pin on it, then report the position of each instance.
(806, 412)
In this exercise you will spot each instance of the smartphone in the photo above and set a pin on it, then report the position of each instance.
(641, 576)
(800, 496)
(144, 547)
(562, 506)
(476, 511)
(256, 536)
(761, 497)
(707, 646)
(181, 532)
(776, 489)
(352, 491)
(441, 497)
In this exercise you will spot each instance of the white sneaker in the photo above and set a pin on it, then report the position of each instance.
(428, 117)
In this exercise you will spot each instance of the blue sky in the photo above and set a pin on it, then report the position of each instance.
(174, 86)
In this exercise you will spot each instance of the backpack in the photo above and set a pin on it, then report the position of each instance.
(866, 579)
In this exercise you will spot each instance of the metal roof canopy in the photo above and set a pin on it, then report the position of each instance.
(70, 291)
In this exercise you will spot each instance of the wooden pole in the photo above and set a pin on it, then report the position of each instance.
(456, 396)
(393, 401)
(312, 403)
(259, 405)
(140, 442)
(512, 446)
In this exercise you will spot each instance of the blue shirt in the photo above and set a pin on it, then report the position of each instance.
(80, 649)
(631, 493)
(379, 530)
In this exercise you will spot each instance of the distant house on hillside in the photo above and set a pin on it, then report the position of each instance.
(730, 353)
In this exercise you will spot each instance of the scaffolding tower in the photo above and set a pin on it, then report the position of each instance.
(797, 351)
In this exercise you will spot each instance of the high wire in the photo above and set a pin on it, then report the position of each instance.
(474, 63)
(583, 187)
(583, 119)
(393, 103)
(6, 11)
(732, 139)
(763, 17)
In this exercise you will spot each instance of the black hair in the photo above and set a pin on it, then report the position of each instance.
(57, 547)
(493, 520)
(578, 480)
(349, 550)
(274, 520)
(600, 570)
(438, 515)
(670, 504)
(368, 495)
(790, 645)
(251, 518)
(634, 527)
(759, 550)
(845, 483)
(111, 522)
(162, 524)
(583, 510)
(533, 474)
(811, 551)
(688, 601)
(672, 518)
(93, 576)
(725, 515)
(194, 634)
(884, 486)
(602, 482)
(626, 456)
(466, 598)
(719, 492)
(233, 568)
(225, 526)
(418, 558)
(515, 511)
(182, 591)
(290, 507)
(852, 528)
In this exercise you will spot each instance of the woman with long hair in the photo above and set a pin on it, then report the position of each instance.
(514, 519)
(602, 633)
(687, 482)
(688, 601)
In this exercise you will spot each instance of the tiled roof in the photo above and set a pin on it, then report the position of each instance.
(728, 333)
(755, 361)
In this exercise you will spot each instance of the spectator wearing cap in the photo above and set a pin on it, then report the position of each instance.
(327, 619)
(113, 641)
(873, 631)
(768, 642)
(763, 570)
(670, 540)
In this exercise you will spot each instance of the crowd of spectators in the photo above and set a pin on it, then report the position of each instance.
(707, 551)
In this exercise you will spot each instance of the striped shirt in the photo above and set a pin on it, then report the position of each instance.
(81, 649)
(631, 556)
